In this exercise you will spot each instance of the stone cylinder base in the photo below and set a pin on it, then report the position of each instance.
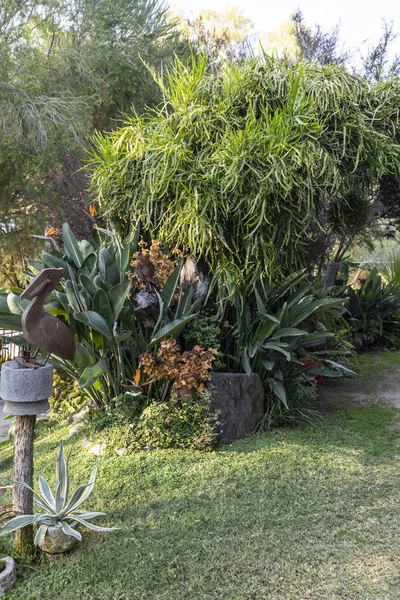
(23, 409)
(19, 384)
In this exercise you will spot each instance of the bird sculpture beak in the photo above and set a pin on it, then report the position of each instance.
(42, 280)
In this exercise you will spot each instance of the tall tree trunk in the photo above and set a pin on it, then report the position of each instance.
(331, 273)
(23, 471)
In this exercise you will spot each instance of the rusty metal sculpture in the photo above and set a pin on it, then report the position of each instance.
(41, 329)
(30, 383)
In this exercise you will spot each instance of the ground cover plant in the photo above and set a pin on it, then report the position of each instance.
(305, 512)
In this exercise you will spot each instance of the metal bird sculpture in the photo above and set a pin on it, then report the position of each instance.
(40, 328)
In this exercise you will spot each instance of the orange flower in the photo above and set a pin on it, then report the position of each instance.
(52, 232)
(93, 210)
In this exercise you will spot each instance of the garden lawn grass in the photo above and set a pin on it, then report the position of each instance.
(304, 513)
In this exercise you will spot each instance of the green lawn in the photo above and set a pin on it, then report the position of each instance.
(304, 513)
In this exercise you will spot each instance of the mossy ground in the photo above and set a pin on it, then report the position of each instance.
(305, 513)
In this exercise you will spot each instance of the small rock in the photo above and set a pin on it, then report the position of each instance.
(150, 447)
(122, 451)
(75, 429)
(97, 449)
(79, 416)
(85, 443)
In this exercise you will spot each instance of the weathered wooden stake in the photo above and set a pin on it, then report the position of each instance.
(23, 471)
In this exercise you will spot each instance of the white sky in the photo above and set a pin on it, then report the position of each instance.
(360, 19)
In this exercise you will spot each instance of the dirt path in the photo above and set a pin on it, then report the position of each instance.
(378, 381)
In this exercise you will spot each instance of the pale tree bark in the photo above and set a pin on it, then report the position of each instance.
(23, 471)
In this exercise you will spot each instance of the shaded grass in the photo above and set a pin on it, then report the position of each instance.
(311, 512)
(372, 365)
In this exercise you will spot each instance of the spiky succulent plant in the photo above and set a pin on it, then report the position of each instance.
(60, 510)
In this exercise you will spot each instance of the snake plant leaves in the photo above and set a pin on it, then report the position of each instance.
(92, 373)
(71, 246)
(107, 267)
(95, 321)
(83, 357)
(49, 260)
(170, 286)
(117, 296)
(278, 389)
(10, 322)
(15, 304)
(171, 329)
(101, 305)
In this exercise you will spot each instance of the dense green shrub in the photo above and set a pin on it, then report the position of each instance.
(237, 166)
(67, 397)
(289, 334)
(374, 312)
(180, 423)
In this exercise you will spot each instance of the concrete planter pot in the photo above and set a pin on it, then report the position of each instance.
(7, 576)
(239, 399)
(57, 542)
(25, 391)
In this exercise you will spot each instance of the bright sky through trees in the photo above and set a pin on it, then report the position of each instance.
(360, 19)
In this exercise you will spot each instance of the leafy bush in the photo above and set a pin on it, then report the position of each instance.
(67, 397)
(373, 312)
(280, 335)
(180, 423)
(94, 300)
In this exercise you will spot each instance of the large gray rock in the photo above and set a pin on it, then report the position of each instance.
(239, 398)
(26, 391)
(7, 576)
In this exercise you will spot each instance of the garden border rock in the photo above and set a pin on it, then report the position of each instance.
(239, 400)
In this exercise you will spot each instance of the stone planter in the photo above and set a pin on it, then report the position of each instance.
(8, 575)
(57, 542)
(26, 391)
(239, 399)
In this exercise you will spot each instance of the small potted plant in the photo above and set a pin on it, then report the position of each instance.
(60, 519)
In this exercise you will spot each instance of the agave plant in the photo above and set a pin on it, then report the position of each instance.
(59, 509)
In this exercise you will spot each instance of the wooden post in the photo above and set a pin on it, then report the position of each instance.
(23, 471)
